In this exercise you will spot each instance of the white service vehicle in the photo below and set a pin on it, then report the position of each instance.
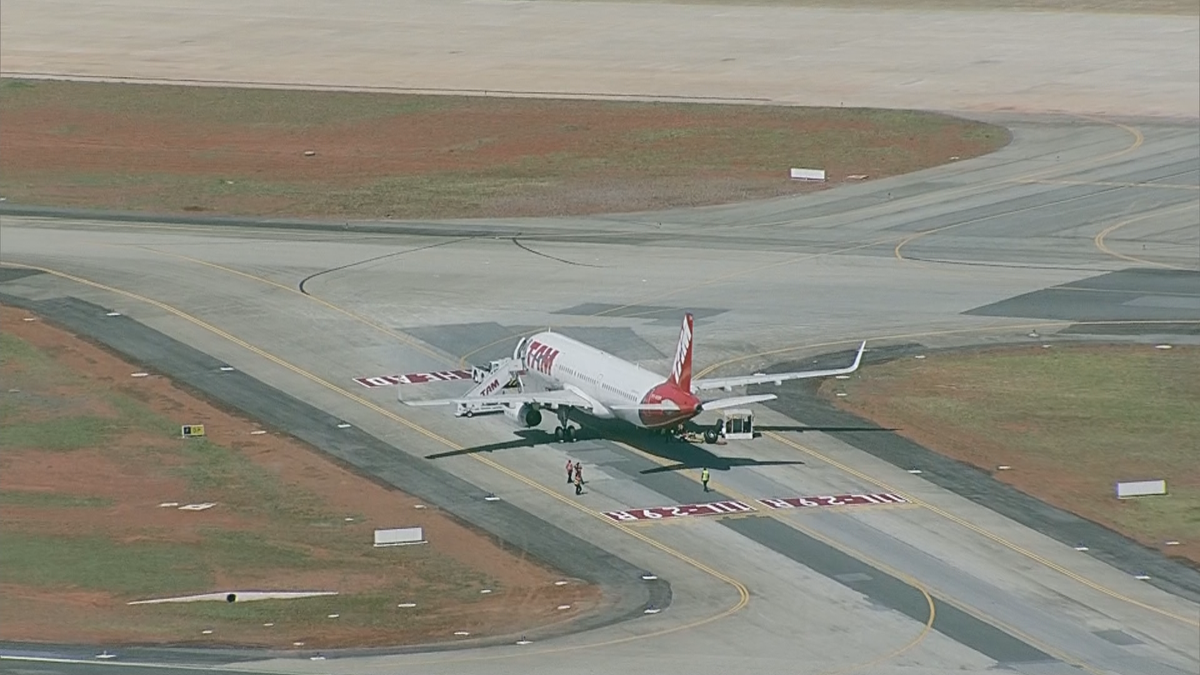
(491, 384)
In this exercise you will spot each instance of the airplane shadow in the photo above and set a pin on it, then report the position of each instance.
(682, 455)
(526, 438)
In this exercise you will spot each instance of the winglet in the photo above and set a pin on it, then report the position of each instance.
(858, 357)
(681, 368)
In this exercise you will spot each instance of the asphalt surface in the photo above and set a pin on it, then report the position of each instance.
(966, 582)
(1081, 227)
(800, 401)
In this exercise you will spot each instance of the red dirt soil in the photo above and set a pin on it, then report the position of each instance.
(452, 157)
(526, 595)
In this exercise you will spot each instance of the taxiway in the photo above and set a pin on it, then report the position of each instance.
(1080, 227)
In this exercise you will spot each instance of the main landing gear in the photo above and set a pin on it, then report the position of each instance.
(564, 431)
(711, 434)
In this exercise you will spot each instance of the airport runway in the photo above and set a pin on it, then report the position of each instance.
(980, 250)
(1080, 228)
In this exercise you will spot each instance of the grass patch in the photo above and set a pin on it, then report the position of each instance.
(22, 364)
(214, 469)
(366, 610)
(68, 565)
(50, 500)
(99, 564)
(1072, 421)
(16, 352)
(218, 105)
(62, 434)
(138, 568)
(242, 151)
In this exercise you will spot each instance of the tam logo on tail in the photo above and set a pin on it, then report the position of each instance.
(681, 369)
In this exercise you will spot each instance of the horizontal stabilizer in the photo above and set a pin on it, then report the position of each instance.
(656, 407)
(735, 401)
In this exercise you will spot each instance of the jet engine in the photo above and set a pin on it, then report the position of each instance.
(526, 415)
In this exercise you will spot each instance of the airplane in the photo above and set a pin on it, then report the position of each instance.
(583, 378)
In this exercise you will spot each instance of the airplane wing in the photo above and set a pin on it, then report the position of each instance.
(549, 399)
(728, 383)
(718, 404)
(657, 407)
(736, 401)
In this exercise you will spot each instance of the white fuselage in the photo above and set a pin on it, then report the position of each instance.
(593, 373)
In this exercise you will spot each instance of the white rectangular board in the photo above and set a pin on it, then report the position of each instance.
(400, 536)
(808, 174)
(1141, 488)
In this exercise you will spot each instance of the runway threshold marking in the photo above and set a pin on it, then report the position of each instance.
(981, 531)
(1099, 240)
(658, 513)
(733, 507)
(743, 592)
(772, 352)
(1138, 140)
(413, 378)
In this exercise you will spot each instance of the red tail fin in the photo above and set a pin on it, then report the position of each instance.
(681, 369)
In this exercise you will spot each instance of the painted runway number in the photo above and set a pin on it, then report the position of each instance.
(833, 500)
(721, 508)
(413, 378)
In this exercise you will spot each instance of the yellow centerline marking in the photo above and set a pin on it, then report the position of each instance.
(924, 233)
(940, 333)
(1099, 240)
(702, 373)
(659, 296)
(783, 516)
(1106, 183)
(714, 366)
(743, 592)
(1138, 140)
(979, 530)
(407, 339)
(772, 513)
